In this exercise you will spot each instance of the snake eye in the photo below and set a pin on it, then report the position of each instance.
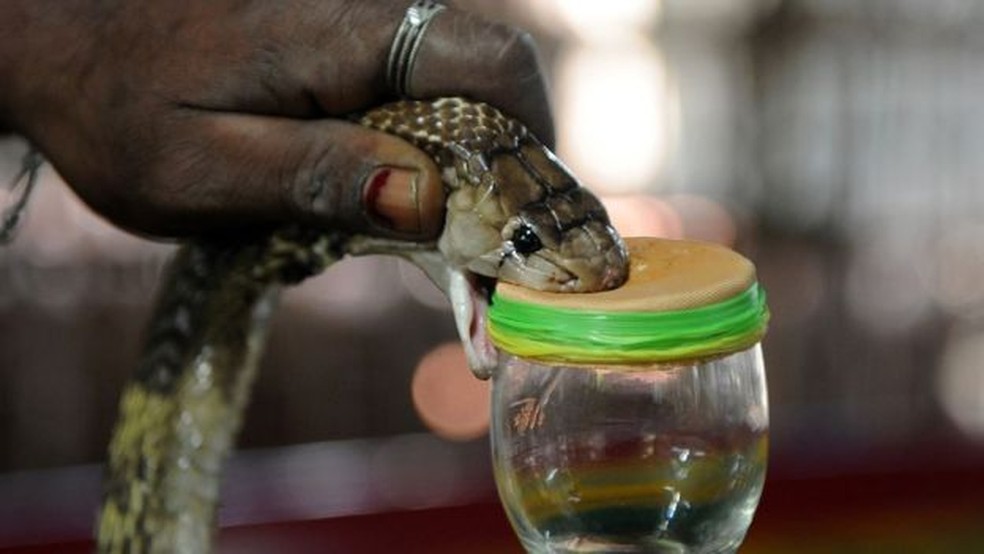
(525, 240)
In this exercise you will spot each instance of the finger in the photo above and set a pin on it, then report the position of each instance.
(463, 54)
(243, 170)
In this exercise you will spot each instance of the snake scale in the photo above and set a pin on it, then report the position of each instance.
(514, 212)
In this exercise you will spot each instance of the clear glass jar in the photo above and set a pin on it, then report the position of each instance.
(668, 458)
(634, 420)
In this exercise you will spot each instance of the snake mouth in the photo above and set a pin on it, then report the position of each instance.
(483, 286)
(534, 271)
(469, 292)
(473, 308)
(538, 272)
(480, 296)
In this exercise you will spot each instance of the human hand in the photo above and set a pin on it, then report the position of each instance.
(185, 117)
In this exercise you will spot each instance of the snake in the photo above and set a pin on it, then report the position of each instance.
(514, 212)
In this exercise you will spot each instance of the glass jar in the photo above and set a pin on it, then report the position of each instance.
(634, 420)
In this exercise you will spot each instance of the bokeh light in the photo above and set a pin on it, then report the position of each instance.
(592, 20)
(640, 215)
(449, 399)
(959, 269)
(885, 290)
(960, 383)
(613, 130)
(704, 219)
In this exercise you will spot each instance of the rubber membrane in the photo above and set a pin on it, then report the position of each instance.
(597, 337)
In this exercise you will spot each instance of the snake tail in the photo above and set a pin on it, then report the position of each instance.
(182, 408)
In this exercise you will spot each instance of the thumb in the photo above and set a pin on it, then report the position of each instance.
(230, 170)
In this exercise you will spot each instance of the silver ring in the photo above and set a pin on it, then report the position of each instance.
(406, 44)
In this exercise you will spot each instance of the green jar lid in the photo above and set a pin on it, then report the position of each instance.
(683, 300)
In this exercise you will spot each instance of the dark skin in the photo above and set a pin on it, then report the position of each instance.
(182, 117)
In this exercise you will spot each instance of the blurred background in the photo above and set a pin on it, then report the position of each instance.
(837, 143)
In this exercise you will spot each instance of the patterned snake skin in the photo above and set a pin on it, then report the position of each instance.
(514, 213)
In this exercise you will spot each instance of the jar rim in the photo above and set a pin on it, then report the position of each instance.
(683, 300)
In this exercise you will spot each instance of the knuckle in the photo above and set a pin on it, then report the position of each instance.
(325, 185)
(314, 182)
(309, 187)
(517, 51)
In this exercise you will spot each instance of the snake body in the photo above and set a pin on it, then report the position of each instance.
(514, 212)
